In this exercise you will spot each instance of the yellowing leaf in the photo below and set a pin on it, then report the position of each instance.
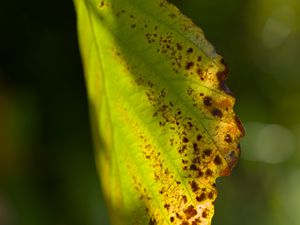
(162, 116)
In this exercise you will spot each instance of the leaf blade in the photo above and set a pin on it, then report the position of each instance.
(163, 114)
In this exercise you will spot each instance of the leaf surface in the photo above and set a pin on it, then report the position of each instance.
(162, 116)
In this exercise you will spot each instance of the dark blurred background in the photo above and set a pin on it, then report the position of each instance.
(47, 169)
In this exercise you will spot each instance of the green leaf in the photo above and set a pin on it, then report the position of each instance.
(162, 115)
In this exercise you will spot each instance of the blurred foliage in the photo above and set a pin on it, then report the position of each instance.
(47, 171)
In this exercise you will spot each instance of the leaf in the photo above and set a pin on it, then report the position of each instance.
(162, 116)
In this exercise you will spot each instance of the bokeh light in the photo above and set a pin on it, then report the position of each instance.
(269, 143)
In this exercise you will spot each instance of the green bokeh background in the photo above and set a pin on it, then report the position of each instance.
(47, 169)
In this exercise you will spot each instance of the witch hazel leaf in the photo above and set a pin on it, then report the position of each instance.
(162, 116)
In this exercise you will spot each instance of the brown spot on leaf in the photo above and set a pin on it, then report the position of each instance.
(190, 124)
(218, 160)
(222, 75)
(226, 171)
(239, 124)
(193, 167)
(207, 101)
(178, 216)
(152, 221)
(167, 206)
(210, 195)
(185, 140)
(207, 152)
(208, 172)
(196, 149)
(228, 138)
(179, 47)
(190, 212)
(199, 72)
(201, 197)
(204, 214)
(199, 136)
(189, 65)
(217, 112)
(200, 173)
(194, 186)
(190, 50)
(172, 219)
(182, 149)
(184, 198)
